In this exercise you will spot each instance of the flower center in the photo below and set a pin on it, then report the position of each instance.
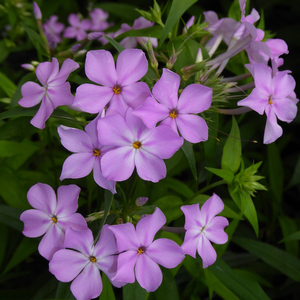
(54, 219)
(117, 89)
(270, 101)
(96, 152)
(93, 259)
(173, 113)
(202, 229)
(140, 250)
(136, 145)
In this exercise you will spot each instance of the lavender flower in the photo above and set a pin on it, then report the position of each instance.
(53, 28)
(78, 28)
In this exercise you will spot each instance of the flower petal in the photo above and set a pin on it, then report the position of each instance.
(75, 221)
(41, 196)
(206, 251)
(101, 180)
(32, 94)
(213, 206)
(166, 253)
(190, 242)
(67, 67)
(131, 66)
(192, 216)
(148, 273)
(285, 109)
(126, 263)
(100, 67)
(283, 85)
(106, 245)
(166, 88)
(46, 71)
(148, 226)
(60, 95)
(42, 115)
(272, 130)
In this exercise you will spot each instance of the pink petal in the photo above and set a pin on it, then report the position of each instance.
(190, 243)
(67, 67)
(272, 130)
(75, 221)
(100, 180)
(117, 105)
(85, 24)
(206, 251)
(126, 237)
(192, 216)
(118, 164)
(75, 140)
(148, 273)
(44, 112)
(46, 71)
(70, 32)
(166, 253)
(285, 109)
(67, 264)
(166, 88)
(151, 112)
(149, 167)
(100, 68)
(92, 98)
(170, 123)
(136, 93)
(149, 225)
(283, 85)
(216, 236)
(163, 142)
(32, 94)
(138, 129)
(106, 245)
(41, 196)
(213, 206)
(51, 242)
(113, 131)
(192, 128)
(74, 20)
(131, 66)
(126, 263)
(60, 95)
(87, 284)
(77, 165)
(36, 222)
(263, 79)
(195, 98)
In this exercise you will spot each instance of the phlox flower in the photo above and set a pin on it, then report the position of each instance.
(119, 84)
(99, 17)
(139, 254)
(83, 260)
(78, 28)
(179, 114)
(87, 156)
(202, 227)
(54, 92)
(272, 95)
(52, 216)
(135, 146)
(53, 28)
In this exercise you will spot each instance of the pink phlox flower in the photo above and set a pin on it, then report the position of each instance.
(136, 146)
(119, 86)
(180, 114)
(131, 42)
(52, 216)
(272, 95)
(99, 17)
(54, 28)
(83, 260)
(54, 92)
(140, 255)
(203, 227)
(78, 28)
(88, 153)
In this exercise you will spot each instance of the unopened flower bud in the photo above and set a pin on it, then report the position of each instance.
(94, 35)
(36, 11)
(188, 71)
(75, 48)
(28, 67)
(199, 56)
(153, 60)
(173, 58)
(140, 201)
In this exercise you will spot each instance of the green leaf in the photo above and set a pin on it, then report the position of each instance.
(243, 288)
(277, 258)
(227, 175)
(187, 148)
(178, 8)
(170, 205)
(17, 112)
(133, 291)
(63, 291)
(109, 197)
(276, 173)
(10, 148)
(107, 292)
(232, 151)
(118, 46)
(250, 212)
(178, 186)
(122, 10)
(25, 248)
(7, 85)
(289, 226)
(37, 42)
(235, 11)
(292, 237)
(296, 176)
(4, 241)
(11, 217)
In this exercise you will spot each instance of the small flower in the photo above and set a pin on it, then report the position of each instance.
(54, 92)
(139, 254)
(83, 261)
(202, 227)
(52, 216)
(78, 28)
(53, 28)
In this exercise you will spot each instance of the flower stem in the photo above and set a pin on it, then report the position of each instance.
(234, 111)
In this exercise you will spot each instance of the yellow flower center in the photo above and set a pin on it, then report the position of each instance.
(270, 101)
(93, 259)
(173, 113)
(96, 152)
(136, 145)
(117, 89)
(140, 250)
(54, 219)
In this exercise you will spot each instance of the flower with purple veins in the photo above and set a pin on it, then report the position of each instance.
(53, 28)
(52, 216)
(272, 95)
(87, 156)
(180, 114)
(136, 146)
(78, 28)
(54, 92)
(203, 227)
(140, 255)
(119, 86)
(83, 260)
